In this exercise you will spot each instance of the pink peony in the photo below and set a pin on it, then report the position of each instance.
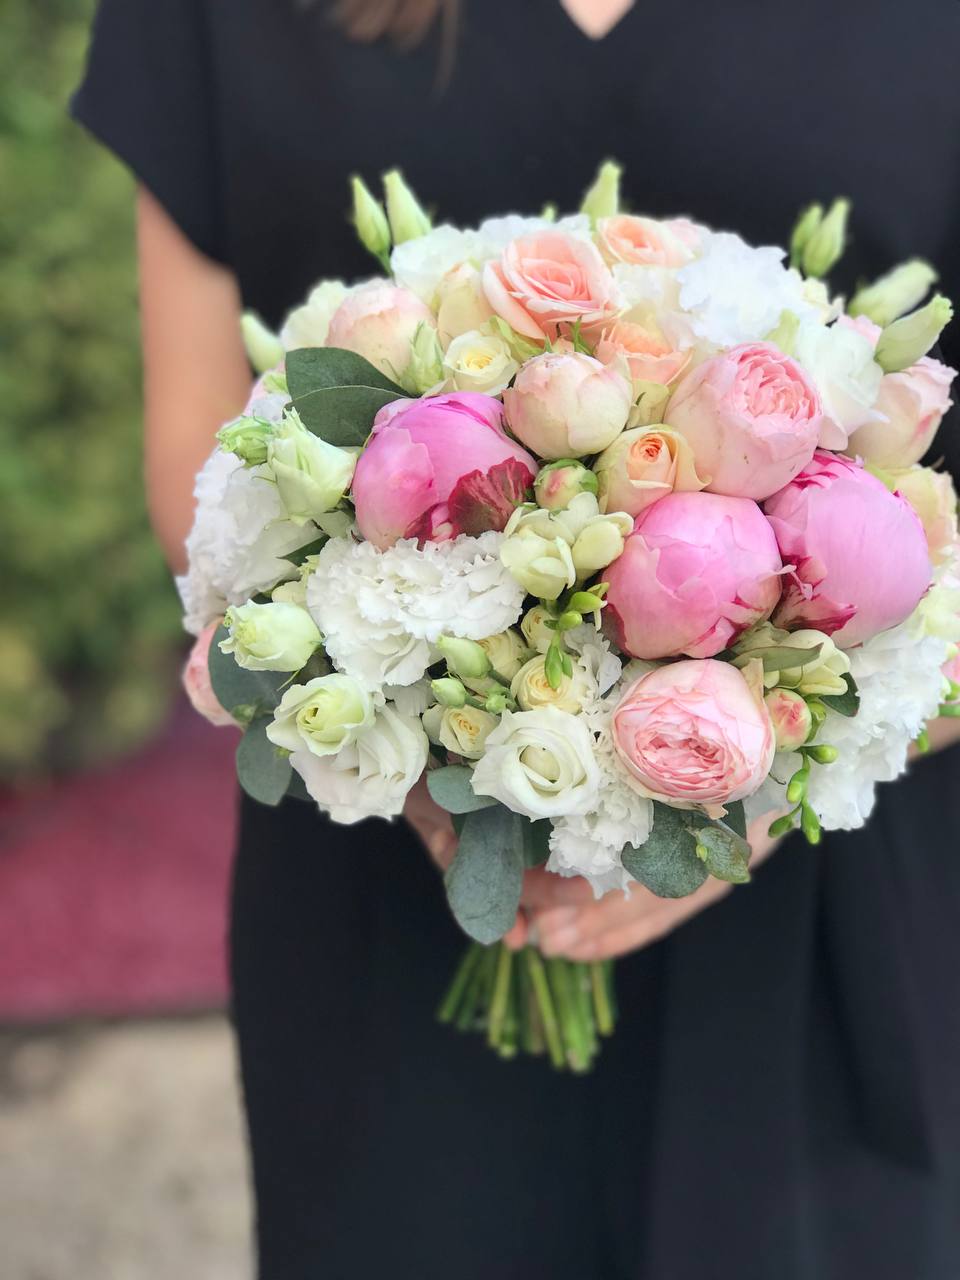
(379, 321)
(752, 417)
(858, 552)
(547, 279)
(694, 734)
(196, 679)
(698, 569)
(645, 241)
(436, 468)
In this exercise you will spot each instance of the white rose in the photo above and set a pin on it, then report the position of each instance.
(322, 716)
(270, 637)
(540, 764)
(479, 362)
(462, 730)
(532, 689)
(461, 302)
(307, 326)
(535, 630)
(506, 651)
(840, 362)
(370, 777)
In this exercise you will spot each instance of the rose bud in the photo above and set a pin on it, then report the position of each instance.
(567, 405)
(643, 465)
(270, 637)
(436, 468)
(790, 717)
(379, 321)
(698, 569)
(196, 679)
(752, 418)
(859, 551)
(559, 483)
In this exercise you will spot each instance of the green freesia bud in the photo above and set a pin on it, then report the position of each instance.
(248, 438)
(558, 483)
(908, 339)
(823, 754)
(264, 349)
(603, 198)
(567, 621)
(425, 369)
(586, 601)
(824, 249)
(498, 702)
(894, 294)
(797, 786)
(781, 826)
(449, 692)
(370, 221)
(809, 824)
(407, 219)
(312, 476)
(270, 637)
(807, 223)
(465, 658)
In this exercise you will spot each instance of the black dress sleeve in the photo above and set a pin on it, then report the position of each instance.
(147, 95)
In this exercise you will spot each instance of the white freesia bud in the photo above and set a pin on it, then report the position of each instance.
(506, 651)
(543, 566)
(481, 362)
(895, 293)
(370, 220)
(540, 764)
(264, 349)
(408, 221)
(462, 730)
(322, 716)
(535, 630)
(531, 688)
(823, 674)
(600, 543)
(908, 339)
(312, 476)
(547, 547)
(270, 637)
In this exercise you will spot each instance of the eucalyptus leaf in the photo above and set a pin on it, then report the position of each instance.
(782, 657)
(485, 878)
(450, 788)
(297, 788)
(667, 863)
(536, 841)
(736, 818)
(342, 415)
(262, 771)
(725, 854)
(302, 554)
(315, 368)
(845, 704)
(234, 686)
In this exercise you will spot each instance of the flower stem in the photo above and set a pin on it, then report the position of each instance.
(601, 998)
(501, 996)
(548, 1014)
(461, 979)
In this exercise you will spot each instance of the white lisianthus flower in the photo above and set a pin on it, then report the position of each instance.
(840, 362)
(371, 776)
(270, 637)
(735, 292)
(322, 716)
(381, 612)
(540, 764)
(462, 730)
(482, 362)
(420, 264)
(312, 475)
(307, 325)
(238, 542)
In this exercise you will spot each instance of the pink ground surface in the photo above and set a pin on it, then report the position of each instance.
(114, 883)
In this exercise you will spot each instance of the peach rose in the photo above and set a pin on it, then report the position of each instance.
(643, 465)
(548, 279)
(649, 357)
(196, 679)
(646, 242)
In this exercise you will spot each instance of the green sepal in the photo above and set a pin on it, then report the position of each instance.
(337, 393)
(485, 878)
(845, 704)
(297, 788)
(234, 686)
(263, 772)
(667, 863)
(451, 789)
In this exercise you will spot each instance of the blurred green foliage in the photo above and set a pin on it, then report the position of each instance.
(89, 625)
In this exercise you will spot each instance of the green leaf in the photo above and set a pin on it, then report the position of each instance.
(667, 863)
(782, 657)
(263, 773)
(317, 368)
(450, 788)
(536, 841)
(845, 704)
(236, 687)
(484, 880)
(736, 819)
(299, 557)
(337, 393)
(725, 854)
(297, 788)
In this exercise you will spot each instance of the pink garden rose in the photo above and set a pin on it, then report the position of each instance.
(649, 357)
(548, 279)
(858, 551)
(196, 679)
(567, 405)
(912, 403)
(694, 734)
(698, 569)
(752, 417)
(645, 241)
(378, 321)
(439, 467)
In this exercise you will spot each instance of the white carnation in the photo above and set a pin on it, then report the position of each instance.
(381, 611)
(238, 540)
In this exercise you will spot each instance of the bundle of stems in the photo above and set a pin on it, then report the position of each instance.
(527, 1003)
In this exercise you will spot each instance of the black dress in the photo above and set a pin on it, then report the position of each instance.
(782, 1098)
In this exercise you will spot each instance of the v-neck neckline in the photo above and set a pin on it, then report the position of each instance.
(575, 11)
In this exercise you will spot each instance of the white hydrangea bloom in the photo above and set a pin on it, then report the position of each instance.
(307, 326)
(736, 293)
(238, 540)
(419, 265)
(381, 611)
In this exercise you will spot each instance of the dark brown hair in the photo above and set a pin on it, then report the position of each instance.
(405, 21)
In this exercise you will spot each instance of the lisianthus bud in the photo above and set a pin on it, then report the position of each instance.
(247, 438)
(370, 220)
(323, 715)
(908, 410)
(823, 674)
(908, 339)
(825, 245)
(264, 349)
(894, 294)
(805, 226)
(535, 630)
(558, 483)
(465, 658)
(449, 692)
(506, 651)
(532, 689)
(567, 405)
(270, 637)
(425, 369)
(407, 218)
(791, 718)
(462, 730)
(477, 361)
(312, 476)
(603, 198)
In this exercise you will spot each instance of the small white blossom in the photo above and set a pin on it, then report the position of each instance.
(420, 264)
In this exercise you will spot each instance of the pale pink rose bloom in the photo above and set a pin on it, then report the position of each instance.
(790, 717)
(752, 417)
(642, 466)
(934, 499)
(913, 404)
(858, 553)
(645, 242)
(548, 279)
(698, 569)
(566, 405)
(439, 467)
(694, 734)
(379, 321)
(196, 679)
(649, 357)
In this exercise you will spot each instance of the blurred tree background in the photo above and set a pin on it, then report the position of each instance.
(89, 637)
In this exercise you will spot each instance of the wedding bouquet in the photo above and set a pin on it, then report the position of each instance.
(613, 527)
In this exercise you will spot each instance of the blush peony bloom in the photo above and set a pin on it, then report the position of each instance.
(196, 679)
(698, 569)
(379, 321)
(859, 552)
(547, 279)
(437, 468)
(645, 241)
(694, 734)
(752, 417)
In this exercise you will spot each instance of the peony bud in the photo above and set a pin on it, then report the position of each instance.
(370, 221)
(408, 221)
(312, 476)
(908, 339)
(264, 349)
(465, 658)
(894, 294)
(558, 483)
(603, 198)
(805, 226)
(449, 692)
(248, 438)
(270, 637)
(425, 369)
(824, 247)
(791, 718)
